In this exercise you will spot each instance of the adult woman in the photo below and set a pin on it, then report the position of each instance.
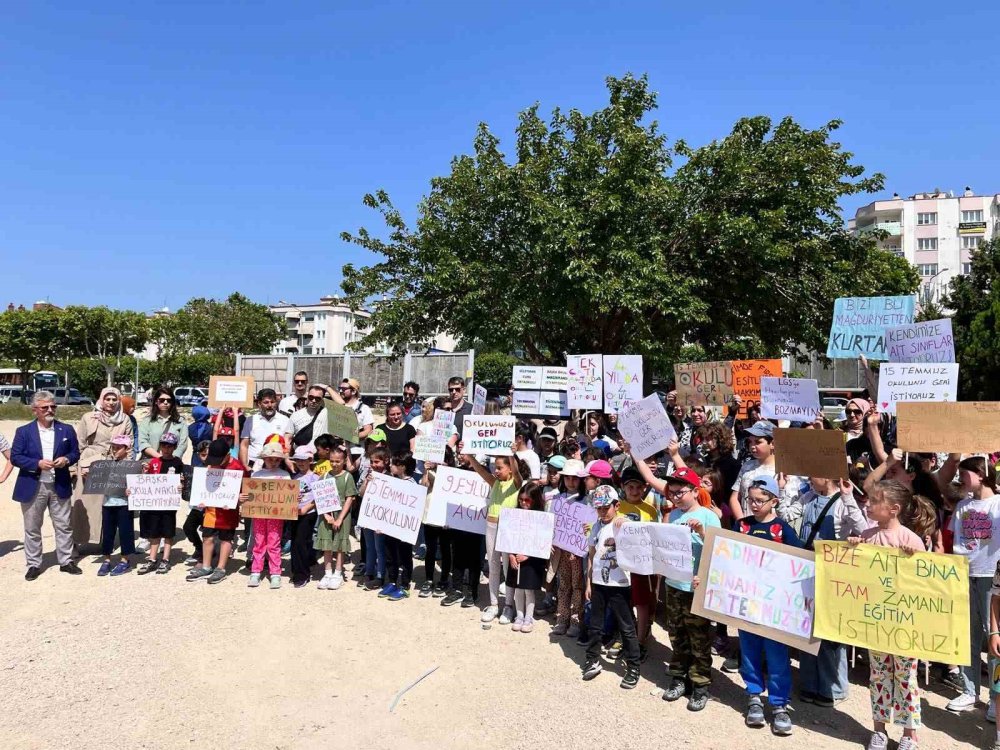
(688, 438)
(716, 442)
(163, 417)
(402, 437)
(94, 432)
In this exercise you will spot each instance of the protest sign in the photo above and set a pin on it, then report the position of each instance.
(108, 477)
(553, 404)
(478, 399)
(465, 494)
(646, 427)
(703, 383)
(525, 532)
(964, 427)
(527, 378)
(622, 381)
(525, 402)
(342, 422)
(555, 379)
(746, 380)
(573, 519)
(326, 496)
(436, 510)
(585, 381)
(929, 341)
(154, 491)
(795, 399)
(230, 390)
(811, 453)
(492, 435)
(393, 506)
(915, 382)
(758, 586)
(430, 448)
(215, 488)
(660, 548)
(271, 498)
(881, 599)
(859, 325)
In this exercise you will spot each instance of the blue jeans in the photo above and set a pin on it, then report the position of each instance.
(979, 624)
(754, 649)
(374, 555)
(826, 673)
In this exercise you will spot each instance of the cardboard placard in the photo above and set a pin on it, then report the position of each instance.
(646, 427)
(709, 383)
(795, 399)
(898, 382)
(758, 586)
(271, 498)
(492, 435)
(525, 532)
(963, 427)
(436, 511)
(656, 548)
(465, 496)
(859, 325)
(622, 381)
(216, 488)
(746, 380)
(928, 341)
(154, 491)
(342, 422)
(326, 496)
(108, 477)
(811, 453)
(479, 400)
(585, 381)
(573, 522)
(230, 390)
(527, 378)
(393, 506)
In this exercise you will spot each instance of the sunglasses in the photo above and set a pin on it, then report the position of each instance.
(301, 382)
(455, 390)
(314, 398)
(164, 400)
(855, 412)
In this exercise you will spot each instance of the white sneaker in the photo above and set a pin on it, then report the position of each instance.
(991, 712)
(254, 581)
(964, 702)
(142, 545)
(508, 616)
(503, 590)
(325, 581)
(489, 614)
(336, 581)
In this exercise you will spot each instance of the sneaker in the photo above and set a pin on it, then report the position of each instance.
(508, 616)
(361, 582)
(105, 568)
(386, 590)
(698, 699)
(142, 545)
(426, 589)
(995, 745)
(731, 664)
(631, 678)
(560, 628)
(755, 712)
(720, 645)
(398, 594)
(469, 600)
(336, 581)
(451, 598)
(573, 631)
(907, 743)
(643, 654)
(324, 582)
(991, 712)
(781, 722)
(823, 702)
(373, 584)
(878, 741)
(440, 590)
(591, 668)
(192, 560)
(199, 574)
(218, 576)
(528, 625)
(955, 680)
(516, 625)
(615, 650)
(121, 568)
(147, 567)
(489, 614)
(254, 580)
(275, 582)
(807, 696)
(675, 690)
(286, 547)
(300, 583)
(964, 702)
(162, 567)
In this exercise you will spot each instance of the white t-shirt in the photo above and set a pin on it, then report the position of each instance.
(271, 474)
(534, 465)
(259, 429)
(754, 469)
(605, 570)
(302, 417)
(976, 525)
(47, 436)
(287, 405)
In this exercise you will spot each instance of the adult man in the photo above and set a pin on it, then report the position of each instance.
(411, 409)
(309, 423)
(457, 402)
(350, 391)
(300, 384)
(43, 451)
(256, 429)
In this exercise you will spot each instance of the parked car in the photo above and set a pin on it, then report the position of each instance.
(71, 397)
(10, 393)
(190, 395)
(832, 406)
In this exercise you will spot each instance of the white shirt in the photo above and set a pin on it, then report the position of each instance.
(605, 570)
(47, 435)
(976, 524)
(302, 417)
(531, 459)
(257, 428)
(287, 405)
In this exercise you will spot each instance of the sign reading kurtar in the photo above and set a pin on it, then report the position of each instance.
(811, 453)
(271, 498)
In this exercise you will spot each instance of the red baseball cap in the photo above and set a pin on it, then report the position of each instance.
(685, 476)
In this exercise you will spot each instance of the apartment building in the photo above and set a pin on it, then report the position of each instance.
(936, 231)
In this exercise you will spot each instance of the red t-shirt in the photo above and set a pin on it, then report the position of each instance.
(224, 518)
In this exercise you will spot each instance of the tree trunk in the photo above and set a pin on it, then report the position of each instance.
(110, 371)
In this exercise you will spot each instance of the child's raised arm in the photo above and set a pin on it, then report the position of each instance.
(482, 472)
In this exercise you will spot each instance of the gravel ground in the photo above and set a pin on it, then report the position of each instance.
(156, 662)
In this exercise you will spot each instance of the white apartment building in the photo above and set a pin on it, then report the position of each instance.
(937, 232)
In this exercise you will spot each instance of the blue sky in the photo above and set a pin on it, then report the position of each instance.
(152, 152)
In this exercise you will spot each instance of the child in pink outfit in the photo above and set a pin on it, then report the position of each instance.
(267, 531)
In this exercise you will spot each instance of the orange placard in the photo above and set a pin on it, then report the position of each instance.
(746, 380)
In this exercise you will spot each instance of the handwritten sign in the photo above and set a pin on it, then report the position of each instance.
(430, 448)
(342, 422)
(656, 548)
(325, 494)
(929, 341)
(646, 427)
(915, 382)
(465, 496)
(746, 380)
(811, 453)
(859, 325)
(573, 519)
(796, 399)
(154, 491)
(703, 383)
(585, 381)
(216, 488)
(555, 379)
(527, 378)
(393, 506)
(492, 435)
(525, 532)
(230, 390)
(271, 498)
(622, 381)
(879, 598)
(479, 400)
(964, 427)
(108, 477)
(758, 586)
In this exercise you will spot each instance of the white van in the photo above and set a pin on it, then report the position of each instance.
(10, 393)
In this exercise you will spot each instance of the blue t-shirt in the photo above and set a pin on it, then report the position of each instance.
(773, 531)
(706, 518)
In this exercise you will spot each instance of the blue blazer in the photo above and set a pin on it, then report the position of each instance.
(26, 452)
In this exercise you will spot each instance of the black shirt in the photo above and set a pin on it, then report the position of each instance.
(459, 417)
(399, 438)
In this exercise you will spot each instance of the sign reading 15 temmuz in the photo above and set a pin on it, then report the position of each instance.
(492, 435)
(393, 506)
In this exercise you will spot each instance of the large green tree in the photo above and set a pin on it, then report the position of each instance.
(106, 335)
(30, 338)
(600, 236)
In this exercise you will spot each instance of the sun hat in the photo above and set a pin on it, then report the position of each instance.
(599, 469)
(574, 468)
(377, 436)
(121, 440)
(272, 450)
(302, 453)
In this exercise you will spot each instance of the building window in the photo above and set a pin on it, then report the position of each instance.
(307, 350)
(925, 219)
(927, 243)
(927, 269)
(966, 269)
(309, 317)
(972, 215)
(971, 243)
(895, 250)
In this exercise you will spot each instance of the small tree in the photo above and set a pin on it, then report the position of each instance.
(106, 335)
(28, 338)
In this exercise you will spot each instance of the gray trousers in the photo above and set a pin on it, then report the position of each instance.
(34, 514)
(979, 625)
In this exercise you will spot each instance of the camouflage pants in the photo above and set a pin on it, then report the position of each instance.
(690, 639)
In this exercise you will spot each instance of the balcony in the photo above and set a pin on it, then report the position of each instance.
(892, 228)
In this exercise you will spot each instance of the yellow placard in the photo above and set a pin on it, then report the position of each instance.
(879, 598)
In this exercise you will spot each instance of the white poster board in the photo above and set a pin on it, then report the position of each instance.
(646, 427)
(656, 548)
(527, 378)
(526, 402)
(585, 381)
(795, 399)
(492, 435)
(465, 496)
(573, 521)
(392, 506)
(436, 510)
(326, 496)
(915, 382)
(622, 381)
(927, 341)
(216, 488)
(554, 379)
(525, 532)
(154, 491)
(430, 448)
(479, 399)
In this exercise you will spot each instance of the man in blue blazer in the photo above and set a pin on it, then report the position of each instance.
(43, 451)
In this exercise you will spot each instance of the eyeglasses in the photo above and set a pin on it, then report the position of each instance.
(164, 400)
(759, 500)
(676, 494)
(409, 394)
(855, 412)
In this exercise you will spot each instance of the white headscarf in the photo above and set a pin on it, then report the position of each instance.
(110, 420)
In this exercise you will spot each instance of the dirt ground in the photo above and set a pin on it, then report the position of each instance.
(156, 662)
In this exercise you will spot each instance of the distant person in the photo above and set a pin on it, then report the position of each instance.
(259, 427)
(116, 518)
(457, 402)
(411, 406)
(300, 384)
(350, 391)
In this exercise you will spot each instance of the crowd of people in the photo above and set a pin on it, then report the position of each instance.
(719, 472)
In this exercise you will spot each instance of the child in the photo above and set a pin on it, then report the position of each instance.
(690, 635)
(323, 444)
(195, 516)
(526, 575)
(636, 507)
(467, 554)
(360, 469)
(398, 554)
(218, 523)
(334, 532)
(598, 473)
(760, 438)
(157, 525)
(994, 652)
(374, 578)
(755, 650)
(569, 599)
(267, 531)
(608, 590)
(893, 679)
(303, 556)
(201, 429)
(552, 477)
(116, 517)
(437, 538)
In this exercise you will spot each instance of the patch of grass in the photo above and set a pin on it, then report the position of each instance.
(19, 412)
